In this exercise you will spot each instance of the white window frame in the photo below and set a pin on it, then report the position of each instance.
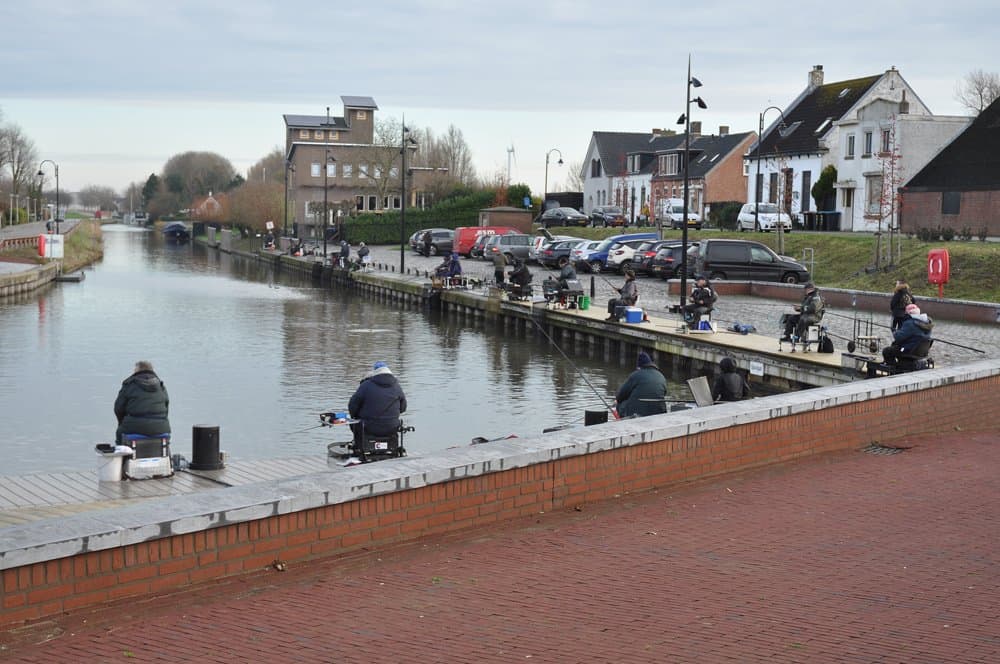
(850, 146)
(867, 147)
(873, 195)
(315, 170)
(348, 170)
(886, 141)
(318, 134)
(361, 115)
(331, 169)
(334, 135)
(303, 133)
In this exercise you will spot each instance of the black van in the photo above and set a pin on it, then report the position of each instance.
(745, 260)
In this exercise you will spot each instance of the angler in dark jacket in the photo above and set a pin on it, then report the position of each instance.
(142, 404)
(730, 384)
(915, 329)
(901, 298)
(703, 299)
(644, 391)
(808, 313)
(377, 402)
(628, 295)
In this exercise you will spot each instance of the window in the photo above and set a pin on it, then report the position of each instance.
(670, 164)
(372, 203)
(595, 168)
(850, 147)
(394, 172)
(886, 135)
(874, 195)
(806, 189)
(318, 133)
(348, 170)
(331, 170)
(772, 188)
(361, 115)
(303, 133)
(334, 135)
(760, 255)
(359, 202)
(951, 202)
(314, 169)
(868, 145)
(378, 172)
(847, 196)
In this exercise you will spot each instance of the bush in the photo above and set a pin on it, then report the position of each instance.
(982, 233)
(965, 233)
(723, 214)
(450, 213)
(947, 234)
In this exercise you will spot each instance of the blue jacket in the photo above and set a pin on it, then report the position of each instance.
(913, 330)
(642, 384)
(378, 402)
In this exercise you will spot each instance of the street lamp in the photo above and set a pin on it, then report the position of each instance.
(760, 141)
(326, 173)
(406, 142)
(685, 120)
(545, 189)
(288, 167)
(41, 174)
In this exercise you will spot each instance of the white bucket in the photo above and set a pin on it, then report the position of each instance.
(109, 466)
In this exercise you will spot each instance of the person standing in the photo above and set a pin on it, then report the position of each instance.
(644, 392)
(901, 298)
(428, 242)
(142, 405)
(377, 403)
(628, 294)
(345, 253)
(499, 264)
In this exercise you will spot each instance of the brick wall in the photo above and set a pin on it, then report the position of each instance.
(156, 566)
(922, 209)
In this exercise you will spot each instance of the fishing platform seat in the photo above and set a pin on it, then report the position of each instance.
(562, 295)
(519, 292)
(150, 456)
(371, 447)
(916, 360)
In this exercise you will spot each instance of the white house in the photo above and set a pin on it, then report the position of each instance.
(863, 127)
(618, 167)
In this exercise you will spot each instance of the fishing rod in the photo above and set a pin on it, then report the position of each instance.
(291, 433)
(571, 363)
(936, 339)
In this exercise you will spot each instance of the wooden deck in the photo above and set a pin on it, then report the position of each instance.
(45, 495)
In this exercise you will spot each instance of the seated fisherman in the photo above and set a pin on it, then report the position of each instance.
(915, 329)
(566, 272)
(628, 294)
(377, 403)
(142, 404)
(808, 313)
(644, 392)
(729, 385)
(702, 300)
(520, 278)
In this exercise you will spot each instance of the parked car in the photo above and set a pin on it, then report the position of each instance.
(465, 236)
(441, 242)
(607, 215)
(621, 255)
(768, 218)
(745, 260)
(644, 254)
(415, 239)
(671, 211)
(479, 246)
(666, 264)
(563, 216)
(513, 245)
(599, 256)
(552, 252)
(581, 252)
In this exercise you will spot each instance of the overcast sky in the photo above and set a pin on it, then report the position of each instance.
(110, 89)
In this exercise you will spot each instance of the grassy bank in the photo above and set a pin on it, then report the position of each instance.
(845, 260)
(84, 246)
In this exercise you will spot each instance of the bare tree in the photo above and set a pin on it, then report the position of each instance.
(457, 156)
(270, 168)
(574, 176)
(379, 163)
(978, 90)
(98, 197)
(255, 203)
(22, 158)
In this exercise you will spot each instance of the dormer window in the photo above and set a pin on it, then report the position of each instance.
(361, 115)
(823, 127)
(303, 133)
(318, 134)
(334, 135)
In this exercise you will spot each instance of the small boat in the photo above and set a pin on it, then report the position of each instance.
(177, 231)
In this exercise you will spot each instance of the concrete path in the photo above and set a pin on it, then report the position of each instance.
(852, 557)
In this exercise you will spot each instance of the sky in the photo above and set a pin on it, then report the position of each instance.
(111, 89)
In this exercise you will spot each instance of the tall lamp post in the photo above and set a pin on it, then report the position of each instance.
(406, 142)
(685, 120)
(756, 182)
(326, 173)
(545, 187)
(41, 174)
(288, 167)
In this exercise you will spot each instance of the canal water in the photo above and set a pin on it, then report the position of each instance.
(260, 355)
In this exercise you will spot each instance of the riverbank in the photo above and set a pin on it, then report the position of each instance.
(26, 271)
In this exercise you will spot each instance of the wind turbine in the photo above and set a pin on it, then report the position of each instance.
(510, 155)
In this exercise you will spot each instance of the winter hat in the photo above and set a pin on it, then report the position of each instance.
(644, 360)
(728, 365)
(913, 310)
(380, 365)
(809, 286)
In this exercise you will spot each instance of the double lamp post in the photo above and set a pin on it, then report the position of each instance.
(685, 120)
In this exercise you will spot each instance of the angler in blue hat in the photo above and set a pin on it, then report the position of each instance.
(377, 403)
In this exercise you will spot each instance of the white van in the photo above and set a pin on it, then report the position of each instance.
(672, 210)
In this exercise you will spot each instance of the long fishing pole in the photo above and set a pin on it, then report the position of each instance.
(936, 339)
(571, 362)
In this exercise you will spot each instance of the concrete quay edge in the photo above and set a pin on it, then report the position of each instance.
(51, 539)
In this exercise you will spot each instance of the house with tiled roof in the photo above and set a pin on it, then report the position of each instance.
(873, 130)
(618, 167)
(960, 187)
(715, 170)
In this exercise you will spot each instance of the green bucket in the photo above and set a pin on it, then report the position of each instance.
(583, 301)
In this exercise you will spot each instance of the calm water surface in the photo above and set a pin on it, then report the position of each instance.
(259, 355)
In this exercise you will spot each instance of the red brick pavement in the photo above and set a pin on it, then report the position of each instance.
(843, 558)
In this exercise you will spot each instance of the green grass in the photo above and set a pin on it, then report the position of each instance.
(844, 260)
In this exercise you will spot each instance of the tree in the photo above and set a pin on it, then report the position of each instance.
(256, 203)
(978, 90)
(21, 157)
(191, 174)
(516, 193)
(574, 176)
(150, 189)
(95, 196)
(270, 168)
(823, 191)
(379, 163)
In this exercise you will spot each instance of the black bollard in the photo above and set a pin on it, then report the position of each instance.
(205, 448)
(594, 417)
(593, 293)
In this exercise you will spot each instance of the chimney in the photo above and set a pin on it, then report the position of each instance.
(695, 128)
(723, 130)
(816, 77)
